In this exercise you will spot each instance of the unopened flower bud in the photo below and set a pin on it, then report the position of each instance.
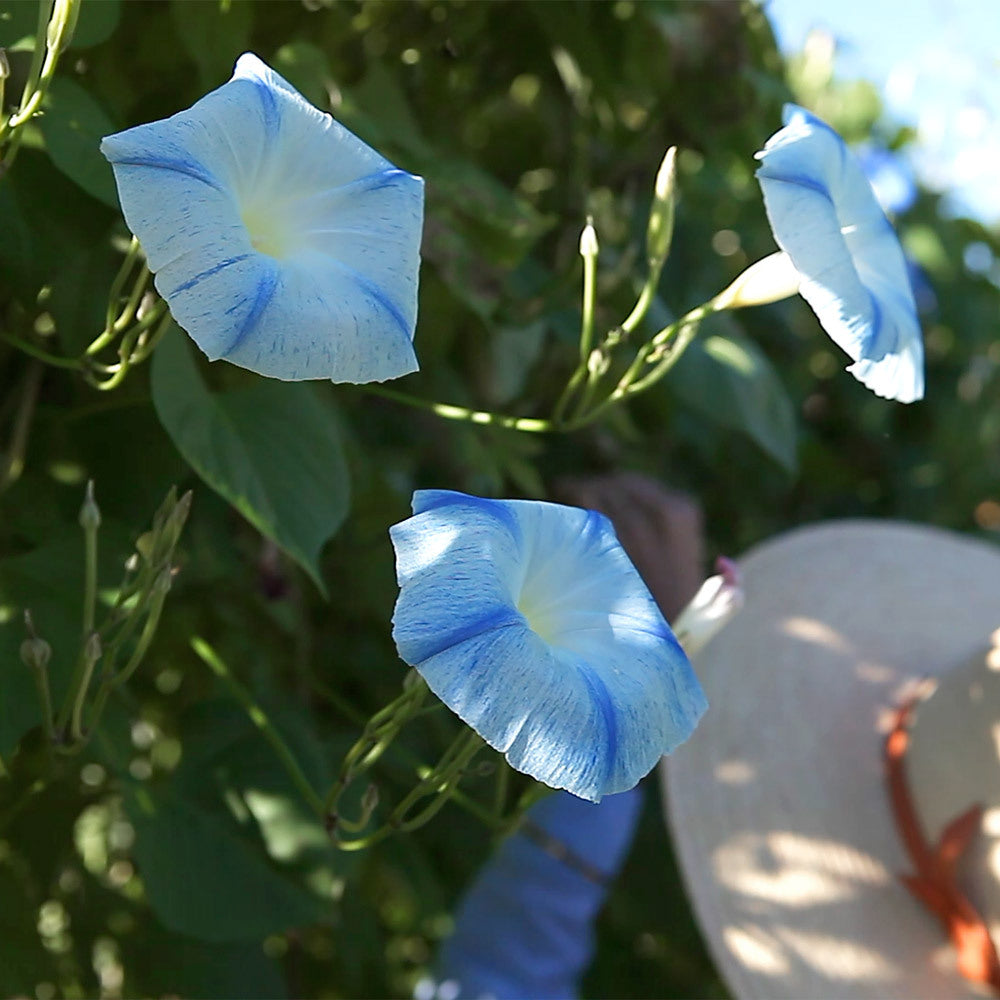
(588, 240)
(36, 653)
(769, 280)
(718, 600)
(145, 544)
(176, 520)
(597, 363)
(62, 25)
(660, 230)
(162, 583)
(92, 648)
(90, 513)
(4, 65)
(369, 802)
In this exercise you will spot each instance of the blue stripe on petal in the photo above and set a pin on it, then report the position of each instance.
(870, 349)
(798, 180)
(266, 287)
(269, 103)
(375, 182)
(443, 639)
(191, 282)
(431, 499)
(602, 701)
(376, 294)
(424, 500)
(187, 167)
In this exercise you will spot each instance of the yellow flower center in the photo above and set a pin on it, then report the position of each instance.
(268, 232)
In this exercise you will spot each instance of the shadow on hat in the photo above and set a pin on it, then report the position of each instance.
(854, 724)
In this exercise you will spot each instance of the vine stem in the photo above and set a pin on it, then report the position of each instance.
(630, 384)
(439, 782)
(262, 722)
(17, 449)
(450, 412)
(38, 353)
(31, 83)
(56, 24)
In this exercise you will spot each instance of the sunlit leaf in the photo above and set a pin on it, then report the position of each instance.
(271, 449)
(205, 875)
(729, 381)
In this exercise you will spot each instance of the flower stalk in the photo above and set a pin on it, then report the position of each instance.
(137, 319)
(35, 654)
(137, 608)
(56, 24)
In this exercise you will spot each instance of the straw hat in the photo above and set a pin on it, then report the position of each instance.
(779, 803)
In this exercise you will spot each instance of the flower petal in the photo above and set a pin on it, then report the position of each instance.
(280, 240)
(825, 216)
(528, 620)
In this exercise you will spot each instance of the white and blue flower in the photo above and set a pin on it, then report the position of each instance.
(528, 620)
(281, 241)
(826, 217)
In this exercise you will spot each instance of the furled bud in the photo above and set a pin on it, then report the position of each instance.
(718, 600)
(62, 24)
(768, 280)
(660, 231)
(90, 513)
(36, 653)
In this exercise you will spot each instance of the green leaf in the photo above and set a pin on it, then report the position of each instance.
(307, 69)
(159, 963)
(73, 126)
(44, 220)
(729, 381)
(124, 496)
(214, 34)
(272, 450)
(18, 23)
(514, 351)
(256, 859)
(473, 203)
(97, 22)
(225, 756)
(206, 877)
(23, 961)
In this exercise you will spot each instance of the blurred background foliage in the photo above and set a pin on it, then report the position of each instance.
(171, 857)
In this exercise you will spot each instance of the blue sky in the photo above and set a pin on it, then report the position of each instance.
(937, 65)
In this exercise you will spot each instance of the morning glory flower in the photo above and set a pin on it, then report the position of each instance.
(528, 621)
(826, 217)
(280, 240)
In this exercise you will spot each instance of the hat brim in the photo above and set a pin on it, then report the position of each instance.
(778, 804)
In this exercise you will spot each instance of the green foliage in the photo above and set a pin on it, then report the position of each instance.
(72, 127)
(271, 449)
(729, 381)
(170, 848)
